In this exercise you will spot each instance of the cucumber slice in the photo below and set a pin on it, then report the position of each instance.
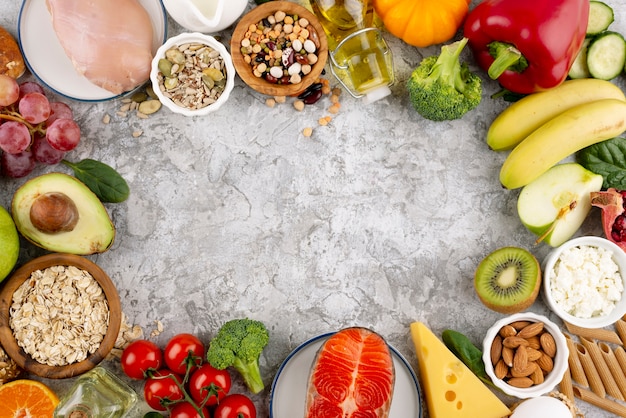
(600, 17)
(606, 55)
(579, 68)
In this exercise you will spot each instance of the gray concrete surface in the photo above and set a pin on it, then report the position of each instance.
(379, 219)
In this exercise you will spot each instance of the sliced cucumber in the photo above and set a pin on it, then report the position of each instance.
(606, 55)
(600, 17)
(579, 68)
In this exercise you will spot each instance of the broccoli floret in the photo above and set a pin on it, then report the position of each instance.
(239, 344)
(441, 88)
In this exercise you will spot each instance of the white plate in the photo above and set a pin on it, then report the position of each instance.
(287, 398)
(46, 59)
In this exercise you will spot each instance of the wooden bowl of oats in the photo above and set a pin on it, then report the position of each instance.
(60, 315)
(279, 48)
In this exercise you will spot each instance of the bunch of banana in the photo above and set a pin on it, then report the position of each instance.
(544, 128)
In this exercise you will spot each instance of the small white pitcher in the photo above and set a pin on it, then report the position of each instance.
(206, 16)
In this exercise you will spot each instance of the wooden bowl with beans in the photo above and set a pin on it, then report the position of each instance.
(279, 48)
(60, 315)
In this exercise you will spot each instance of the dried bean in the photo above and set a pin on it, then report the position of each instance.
(278, 42)
(313, 97)
(310, 90)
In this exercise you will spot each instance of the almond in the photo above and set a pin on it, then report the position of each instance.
(520, 359)
(507, 356)
(545, 363)
(501, 369)
(537, 376)
(533, 342)
(533, 354)
(520, 382)
(548, 345)
(531, 366)
(496, 349)
(518, 325)
(507, 331)
(514, 342)
(531, 330)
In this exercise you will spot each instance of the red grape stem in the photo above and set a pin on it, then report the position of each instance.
(32, 129)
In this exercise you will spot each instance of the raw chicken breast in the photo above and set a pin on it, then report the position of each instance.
(108, 41)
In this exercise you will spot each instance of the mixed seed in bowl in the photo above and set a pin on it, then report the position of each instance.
(281, 48)
(192, 75)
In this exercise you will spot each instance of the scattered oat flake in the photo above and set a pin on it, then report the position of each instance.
(137, 134)
(270, 102)
(307, 132)
(280, 99)
(106, 119)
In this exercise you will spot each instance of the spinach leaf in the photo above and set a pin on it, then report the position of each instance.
(467, 352)
(102, 179)
(607, 158)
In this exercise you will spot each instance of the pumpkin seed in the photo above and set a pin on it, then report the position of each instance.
(149, 107)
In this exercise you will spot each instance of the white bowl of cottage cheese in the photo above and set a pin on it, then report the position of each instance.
(584, 282)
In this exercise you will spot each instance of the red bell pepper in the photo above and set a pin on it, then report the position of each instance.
(527, 45)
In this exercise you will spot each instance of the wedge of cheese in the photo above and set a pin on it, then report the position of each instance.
(452, 389)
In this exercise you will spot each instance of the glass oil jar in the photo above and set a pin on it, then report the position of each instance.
(97, 394)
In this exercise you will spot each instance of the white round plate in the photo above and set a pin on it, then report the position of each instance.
(47, 61)
(288, 393)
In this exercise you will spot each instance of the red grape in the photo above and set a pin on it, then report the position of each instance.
(63, 134)
(14, 137)
(30, 87)
(9, 90)
(17, 165)
(34, 107)
(59, 110)
(44, 153)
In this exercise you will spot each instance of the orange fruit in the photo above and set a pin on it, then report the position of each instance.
(27, 398)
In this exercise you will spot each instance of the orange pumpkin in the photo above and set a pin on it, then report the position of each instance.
(422, 23)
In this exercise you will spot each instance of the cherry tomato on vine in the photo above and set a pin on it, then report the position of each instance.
(161, 389)
(235, 405)
(177, 352)
(139, 357)
(209, 382)
(187, 410)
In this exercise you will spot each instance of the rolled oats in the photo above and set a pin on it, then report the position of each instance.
(59, 315)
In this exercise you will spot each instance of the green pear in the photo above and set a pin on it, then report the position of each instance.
(555, 205)
(9, 244)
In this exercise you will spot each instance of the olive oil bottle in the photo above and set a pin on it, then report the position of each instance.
(360, 57)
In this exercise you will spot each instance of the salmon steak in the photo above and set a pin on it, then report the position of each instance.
(108, 41)
(352, 376)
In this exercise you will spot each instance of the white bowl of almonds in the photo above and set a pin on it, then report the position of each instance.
(525, 355)
(60, 315)
(192, 74)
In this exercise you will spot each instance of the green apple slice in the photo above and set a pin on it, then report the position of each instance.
(555, 205)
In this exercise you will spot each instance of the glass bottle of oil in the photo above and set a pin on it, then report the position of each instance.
(360, 57)
(97, 394)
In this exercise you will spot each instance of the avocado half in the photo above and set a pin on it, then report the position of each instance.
(57, 212)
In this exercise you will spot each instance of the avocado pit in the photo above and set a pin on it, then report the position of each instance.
(54, 212)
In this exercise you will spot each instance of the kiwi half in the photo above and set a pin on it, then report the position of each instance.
(508, 280)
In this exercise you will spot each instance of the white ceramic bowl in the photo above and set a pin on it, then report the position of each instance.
(193, 37)
(219, 14)
(619, 256)
(552, 379)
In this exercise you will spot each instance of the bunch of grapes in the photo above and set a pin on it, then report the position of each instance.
(32, 128)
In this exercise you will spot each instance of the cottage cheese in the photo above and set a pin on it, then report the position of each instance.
(586, 282)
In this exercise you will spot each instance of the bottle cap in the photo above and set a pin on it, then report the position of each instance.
(377, 94)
